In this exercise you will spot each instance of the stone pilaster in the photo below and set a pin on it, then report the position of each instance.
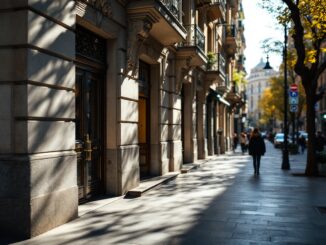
(38, 182)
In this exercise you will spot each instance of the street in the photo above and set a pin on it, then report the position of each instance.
(221, 202)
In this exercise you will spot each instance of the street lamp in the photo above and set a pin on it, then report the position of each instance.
(285, 152)
(267, 66)
(285, 161)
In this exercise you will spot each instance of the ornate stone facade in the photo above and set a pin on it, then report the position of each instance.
(103, 6)
(108, 92)
(138, 32)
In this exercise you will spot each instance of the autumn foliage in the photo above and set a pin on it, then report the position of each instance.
(307, 22)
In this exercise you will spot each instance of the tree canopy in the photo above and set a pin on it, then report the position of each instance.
(307, 22)
(270, 103)
(307, 19)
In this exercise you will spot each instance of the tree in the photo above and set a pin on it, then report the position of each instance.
(308, 22)
(272, 106)
(239, 78)
(267, 107)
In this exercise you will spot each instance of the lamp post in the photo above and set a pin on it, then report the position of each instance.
(285, 152)
(285, 159)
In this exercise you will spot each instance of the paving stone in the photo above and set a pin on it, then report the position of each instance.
(221, 202)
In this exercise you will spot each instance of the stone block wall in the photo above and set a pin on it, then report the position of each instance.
(37, 159)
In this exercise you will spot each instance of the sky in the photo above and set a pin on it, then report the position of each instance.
(259, 25)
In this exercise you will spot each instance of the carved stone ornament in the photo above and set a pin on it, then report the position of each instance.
(164, 60)
(183, 68)
(138, 32)
(104, 6)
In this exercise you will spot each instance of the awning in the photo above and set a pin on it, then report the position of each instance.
(224, 101)
(217, 96)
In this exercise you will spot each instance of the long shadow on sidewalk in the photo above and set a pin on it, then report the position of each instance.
(220, 203)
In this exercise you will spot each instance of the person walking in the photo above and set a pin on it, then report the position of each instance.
(257, 149)
(302, 143)
(243, 142)
(235, 141)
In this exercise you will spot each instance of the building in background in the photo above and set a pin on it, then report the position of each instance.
(257, 83)
(98, 95)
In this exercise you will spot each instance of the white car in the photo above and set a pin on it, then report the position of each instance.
(279, 140)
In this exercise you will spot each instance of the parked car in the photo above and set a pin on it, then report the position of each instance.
(279, 140)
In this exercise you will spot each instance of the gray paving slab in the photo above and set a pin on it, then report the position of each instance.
(221, 202)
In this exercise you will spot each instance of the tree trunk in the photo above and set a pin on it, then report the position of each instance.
(311, 167)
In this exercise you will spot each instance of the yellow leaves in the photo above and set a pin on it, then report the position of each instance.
(267, 104)
(308, 35)
(323, 50)
(313, 20)
(316, 24)
(271, 103)
(239, 77)
(291, 58)
(311, 56)
(315, 12)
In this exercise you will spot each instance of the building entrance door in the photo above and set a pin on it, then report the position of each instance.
(144, 120)
(91, 64)
(183, 123)
(143, 137)
(89, 133)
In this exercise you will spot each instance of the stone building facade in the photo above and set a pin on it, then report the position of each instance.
(98, 94)
(257, 83)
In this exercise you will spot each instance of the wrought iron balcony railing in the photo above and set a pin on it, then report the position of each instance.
(235, 89)
(174, 6)
(221, 2)
(231, 31)
(195, 37)
(204, 2)
(221, 63)
(244, 95)
(218, 64)
(241, 59)
(240, 24)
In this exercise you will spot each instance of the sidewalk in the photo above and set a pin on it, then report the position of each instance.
(221, 202)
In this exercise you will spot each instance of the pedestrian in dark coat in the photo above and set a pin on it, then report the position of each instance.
(302, 143)
(257, 149)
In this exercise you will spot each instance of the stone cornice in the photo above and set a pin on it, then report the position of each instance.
(103, 6)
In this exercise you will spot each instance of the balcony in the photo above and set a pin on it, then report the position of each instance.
(235, 89)
(195, 38)
(240, 62)
(215, 69)
(216, 8)
(165, 16)
(244, 96)
(240, 25)
(193, 46)
(234, 94)
(231, 43)
(224, 87)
